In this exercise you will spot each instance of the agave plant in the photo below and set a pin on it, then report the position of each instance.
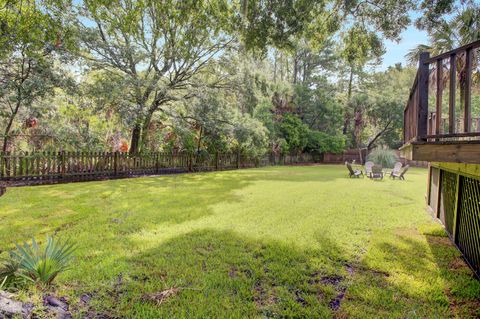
(42, 265)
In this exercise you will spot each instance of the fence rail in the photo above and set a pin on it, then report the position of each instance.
(63, 167)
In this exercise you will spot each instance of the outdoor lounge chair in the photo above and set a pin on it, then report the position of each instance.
(352, 172)
(402, 174)
(368, 168)
(397, 168)
(377, 172)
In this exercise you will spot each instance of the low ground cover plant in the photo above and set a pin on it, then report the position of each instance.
(39, 264)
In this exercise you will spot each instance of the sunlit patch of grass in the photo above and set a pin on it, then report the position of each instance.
(268, 242)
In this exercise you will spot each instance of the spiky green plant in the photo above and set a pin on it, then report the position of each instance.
(9, 274)
(383, 156)
(43, 264)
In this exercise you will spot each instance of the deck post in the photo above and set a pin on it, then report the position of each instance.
(467, 104)
(438, 105)
(422, 118)
(451, 96)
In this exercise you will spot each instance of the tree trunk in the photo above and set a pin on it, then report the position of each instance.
(199, 143)
(287, 69)
(136, 136)
(350, 83)
(346, 122)
(10, 121)
(275, 67)
(360, 155)
(281, 66)
(199, 139)
(145, 129)
(7, 132)
(305, 67)
(295, 68)
(346, 117)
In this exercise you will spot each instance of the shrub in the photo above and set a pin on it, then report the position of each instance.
(294, 132)
(383, 156)
(42, 264)
(320, 142)
(10, 278)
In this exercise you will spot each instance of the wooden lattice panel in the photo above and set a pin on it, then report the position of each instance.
(448, 191)
(468, 228)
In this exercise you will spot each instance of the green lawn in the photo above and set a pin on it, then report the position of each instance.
(268, 242)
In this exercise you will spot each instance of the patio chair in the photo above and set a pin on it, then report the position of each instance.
(397, 168)
(377, 172)
(352, 172)
(402, 174)
(368, 168)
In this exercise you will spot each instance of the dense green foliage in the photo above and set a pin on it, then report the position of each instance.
(255, 76)
(277, 241)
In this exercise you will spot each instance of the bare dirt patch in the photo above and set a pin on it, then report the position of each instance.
(161, 296)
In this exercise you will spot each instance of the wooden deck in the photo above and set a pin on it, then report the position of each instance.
(442, 151)
(429, 135)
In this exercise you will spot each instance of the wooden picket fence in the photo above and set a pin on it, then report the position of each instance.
(63, 167)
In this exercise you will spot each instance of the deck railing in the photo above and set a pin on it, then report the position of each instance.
(455, 68)
(445, 122)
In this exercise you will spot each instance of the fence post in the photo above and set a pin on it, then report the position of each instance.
(157, 164)
(63, 159)
(115, 163)
(423, 73)
(216, 160)
(2, 165)
(238, 159)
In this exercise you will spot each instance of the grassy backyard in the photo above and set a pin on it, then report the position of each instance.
(267, 242)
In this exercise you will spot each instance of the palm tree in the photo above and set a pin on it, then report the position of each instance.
(460, 29)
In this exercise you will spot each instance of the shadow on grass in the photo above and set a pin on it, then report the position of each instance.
(462, 287)
(415, 277)
(128, 206)
(223, 274)
(137, 203)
